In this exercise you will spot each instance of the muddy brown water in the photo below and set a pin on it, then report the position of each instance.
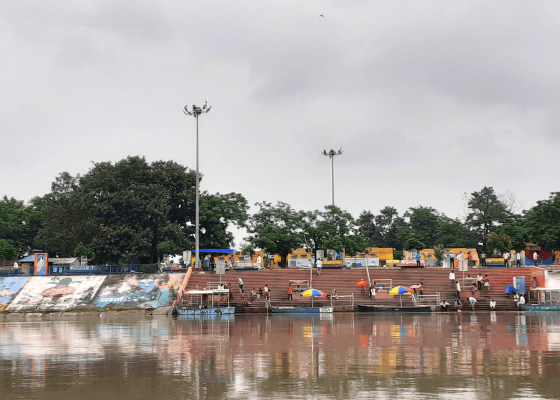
(345, 356)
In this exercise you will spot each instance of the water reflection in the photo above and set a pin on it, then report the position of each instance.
(492, 355)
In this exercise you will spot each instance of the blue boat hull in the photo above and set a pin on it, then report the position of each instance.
(205, 311)
(537, 307)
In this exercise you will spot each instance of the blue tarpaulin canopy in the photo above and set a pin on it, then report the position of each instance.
(510, 289)
(214, 251)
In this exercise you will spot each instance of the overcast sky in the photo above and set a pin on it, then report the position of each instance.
(429, 99)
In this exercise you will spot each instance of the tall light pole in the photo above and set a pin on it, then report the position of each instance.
(331, 155)
(195, 112)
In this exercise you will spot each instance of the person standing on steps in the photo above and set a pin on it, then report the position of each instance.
(444, 259)
(479, 281)
(486, 283)
(535, 258)
(319, 266)
(290, 291)
(240, 281)
(451, 259)
(483, 260)
(452, 278)
(418, 257)
(518, 259)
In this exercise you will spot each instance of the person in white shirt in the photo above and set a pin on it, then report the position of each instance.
(460, 260)
(240, 284)
(521, 301)
(444, 260)
(319, 266)
(518, 259)
(492, 305)
(472, 300)
(16, 268)
(452, 278)
(535, 258)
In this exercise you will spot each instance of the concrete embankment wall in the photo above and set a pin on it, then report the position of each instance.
(87, 292)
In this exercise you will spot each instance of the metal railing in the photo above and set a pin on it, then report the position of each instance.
(335, 301)
(428, 299)
(86, 270)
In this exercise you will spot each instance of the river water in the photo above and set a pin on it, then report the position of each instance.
(341, 356)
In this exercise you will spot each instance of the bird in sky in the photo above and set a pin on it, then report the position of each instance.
(321, 16)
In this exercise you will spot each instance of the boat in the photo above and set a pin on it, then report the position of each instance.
(407, 309)
(290, 309)
(201, 302)
(547, 299)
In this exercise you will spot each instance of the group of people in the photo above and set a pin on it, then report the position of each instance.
(472, 301)
(519, 300)
(508, 257)
(479, 283)
(448, 258)
(253, 295)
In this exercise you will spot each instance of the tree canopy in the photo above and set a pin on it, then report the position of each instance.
(135, 209)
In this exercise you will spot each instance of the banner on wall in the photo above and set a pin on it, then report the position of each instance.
(41, 263)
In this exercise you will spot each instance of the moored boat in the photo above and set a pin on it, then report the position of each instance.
(201, 302)
(547, 299)
(290, 309)
(409, 309)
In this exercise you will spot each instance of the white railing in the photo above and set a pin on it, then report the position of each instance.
(335, 301)
(427, 299)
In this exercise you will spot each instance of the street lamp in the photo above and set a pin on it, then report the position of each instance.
(195, 112)
(331, 155)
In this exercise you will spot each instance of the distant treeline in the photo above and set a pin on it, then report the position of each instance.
(134, 209)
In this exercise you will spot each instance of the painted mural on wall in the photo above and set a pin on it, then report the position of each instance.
(56, 293)
(9, 288)
(136, 291)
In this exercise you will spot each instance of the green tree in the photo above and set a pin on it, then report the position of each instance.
(514, 228)
(121, 210)
(487, 212)
(421, 229)
(388, 223)
(543, 222)
(19, 224)
(331, 229)
(68, 217)
(453, 233)
(217, 212)
(83, 250)
(499, 242)
(275, 229)
(7, 250)
(366, 227)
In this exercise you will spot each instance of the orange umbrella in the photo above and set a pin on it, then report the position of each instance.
(362, 283)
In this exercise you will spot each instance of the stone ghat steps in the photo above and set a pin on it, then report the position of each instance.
(434, 280)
